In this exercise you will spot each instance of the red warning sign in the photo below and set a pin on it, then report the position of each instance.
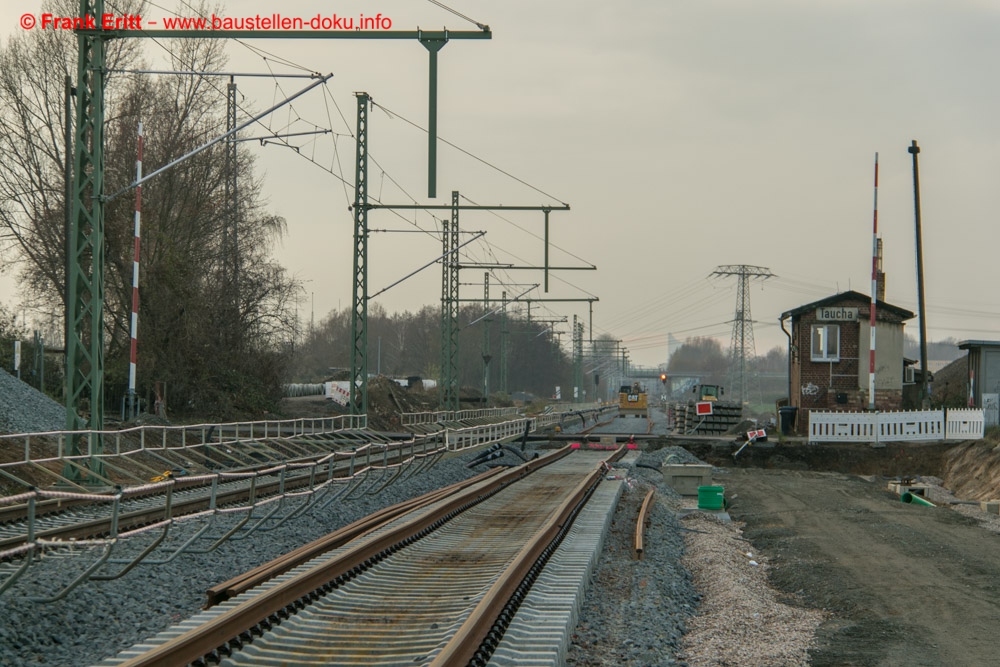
(703, 408)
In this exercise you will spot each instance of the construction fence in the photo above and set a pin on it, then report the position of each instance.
(904, 426)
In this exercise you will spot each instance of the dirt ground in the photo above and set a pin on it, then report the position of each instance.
(904, 584)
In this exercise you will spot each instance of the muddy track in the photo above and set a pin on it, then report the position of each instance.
(906, 585)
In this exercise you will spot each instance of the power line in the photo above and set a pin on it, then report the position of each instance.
(479, 25)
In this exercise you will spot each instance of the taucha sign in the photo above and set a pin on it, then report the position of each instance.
(839, 314)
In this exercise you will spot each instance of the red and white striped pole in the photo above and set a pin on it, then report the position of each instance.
(871, 360)
(135, 281)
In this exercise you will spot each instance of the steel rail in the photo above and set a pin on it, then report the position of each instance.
(640, 523)
(465, 647)
(288, 596)
(257, 576)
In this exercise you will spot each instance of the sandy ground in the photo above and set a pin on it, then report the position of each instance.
(899, 584)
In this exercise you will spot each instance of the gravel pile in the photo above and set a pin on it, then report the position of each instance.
(741, 620)
(24, 409)
(699, 598)
(636, 611)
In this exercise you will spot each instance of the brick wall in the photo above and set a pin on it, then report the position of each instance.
(834, 385)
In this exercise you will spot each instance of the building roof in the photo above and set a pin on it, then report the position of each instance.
(966, 344)
(852, 296)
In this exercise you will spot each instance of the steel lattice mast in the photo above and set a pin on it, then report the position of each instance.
(742, 348)
(85, 220)
(577, 361)
(504, 332)
(359, 306)
(487, 356)
(85, 246)
(448, 384)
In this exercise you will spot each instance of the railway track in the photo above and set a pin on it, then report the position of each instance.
(79, 517)
(438, 584)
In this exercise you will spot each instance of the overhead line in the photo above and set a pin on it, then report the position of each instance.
(473, 156)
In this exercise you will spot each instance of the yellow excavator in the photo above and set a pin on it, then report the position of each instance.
(632, 401)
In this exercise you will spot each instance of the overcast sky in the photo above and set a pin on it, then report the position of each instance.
(684, 135)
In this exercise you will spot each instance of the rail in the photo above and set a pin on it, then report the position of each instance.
(554, 418)
(479, 634)
(640, 524)
(313, 580)
(259, 575)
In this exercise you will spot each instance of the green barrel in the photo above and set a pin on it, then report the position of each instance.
(710, 497)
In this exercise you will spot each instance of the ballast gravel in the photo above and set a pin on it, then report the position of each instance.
(636, 612)
(97, 620)
(24, 409)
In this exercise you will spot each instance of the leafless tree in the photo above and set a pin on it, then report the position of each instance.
(218, 350)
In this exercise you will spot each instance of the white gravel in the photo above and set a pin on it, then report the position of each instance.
(740, 620)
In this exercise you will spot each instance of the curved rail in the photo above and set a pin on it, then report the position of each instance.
(641, 521)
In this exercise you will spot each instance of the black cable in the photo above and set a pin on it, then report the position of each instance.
(474, 157)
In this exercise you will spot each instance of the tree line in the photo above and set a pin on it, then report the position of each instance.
(215, 343)
(408, 344)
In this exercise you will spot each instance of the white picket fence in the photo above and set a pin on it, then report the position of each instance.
(908, 425)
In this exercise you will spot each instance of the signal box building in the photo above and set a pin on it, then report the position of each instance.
(984, 377)
(829, 353)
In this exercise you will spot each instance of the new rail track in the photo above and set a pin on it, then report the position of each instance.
(436, 583)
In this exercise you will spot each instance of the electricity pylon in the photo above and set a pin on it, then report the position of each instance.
(741, 347)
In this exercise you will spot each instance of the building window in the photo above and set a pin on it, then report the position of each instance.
(826, 342)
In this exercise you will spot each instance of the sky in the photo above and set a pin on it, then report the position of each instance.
(684, 136)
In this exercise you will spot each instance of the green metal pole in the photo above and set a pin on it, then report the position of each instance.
(433, 46)
(359, 310)
(486, 339)
(577, 362)
(444, 378)
(85, 224)
(85, 263)
(448, 391)
(504, 332)
(546, 212)
(453, 287)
